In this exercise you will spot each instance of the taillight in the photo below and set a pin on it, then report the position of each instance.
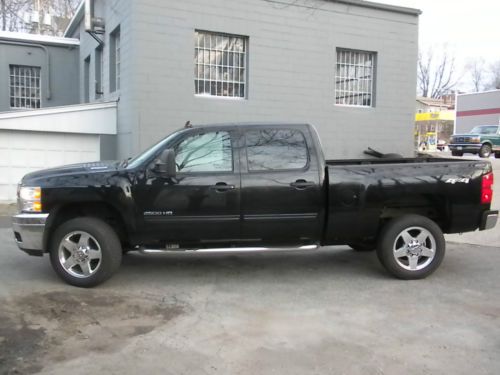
(487, 188)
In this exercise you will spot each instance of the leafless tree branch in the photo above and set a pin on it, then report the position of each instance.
(29, 15)
(436, 73)
(476, 69)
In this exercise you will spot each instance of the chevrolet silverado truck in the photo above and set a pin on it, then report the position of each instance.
(483, 140)
(249, 187)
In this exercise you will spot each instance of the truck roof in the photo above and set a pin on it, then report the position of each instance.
(247, 124)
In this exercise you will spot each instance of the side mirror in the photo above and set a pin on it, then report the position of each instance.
(165, 164)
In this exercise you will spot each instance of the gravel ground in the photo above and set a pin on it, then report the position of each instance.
(330, 311)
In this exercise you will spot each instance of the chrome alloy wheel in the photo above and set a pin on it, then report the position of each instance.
(80, 254)
(414, 248)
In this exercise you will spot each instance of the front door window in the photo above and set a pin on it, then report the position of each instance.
(205, 152)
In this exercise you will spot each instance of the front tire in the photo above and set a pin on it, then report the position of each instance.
(85, 252)
(411, 247)
(485, 151)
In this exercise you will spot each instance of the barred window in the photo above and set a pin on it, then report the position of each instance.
(220, 64)
(24, 86)
(354, 78)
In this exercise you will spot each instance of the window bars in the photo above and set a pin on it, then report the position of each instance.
(354, 78)
(25, 91)
(220, 64)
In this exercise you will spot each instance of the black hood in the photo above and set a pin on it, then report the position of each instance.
(71, 169)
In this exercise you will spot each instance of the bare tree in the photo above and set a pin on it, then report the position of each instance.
(37, 16)
(476, 69)
(11, 14)
(494, 81)
(436, 73)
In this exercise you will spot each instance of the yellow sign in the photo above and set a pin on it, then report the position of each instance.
(435, 116)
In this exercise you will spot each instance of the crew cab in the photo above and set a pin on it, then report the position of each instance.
(483, 140)
(246, 187)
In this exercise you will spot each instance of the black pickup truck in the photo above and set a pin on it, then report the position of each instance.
(249, 186)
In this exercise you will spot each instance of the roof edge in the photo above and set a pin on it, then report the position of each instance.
(37, 38)
(381, 6)
(478, 93)
(75, 21)
(361, 3)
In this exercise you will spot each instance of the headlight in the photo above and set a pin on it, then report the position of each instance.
(475, 139)
(30, 199)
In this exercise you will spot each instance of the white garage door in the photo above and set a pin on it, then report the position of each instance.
(22, 152)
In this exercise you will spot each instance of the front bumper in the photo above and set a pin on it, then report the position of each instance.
(489, 220)
(29, 231)
(465, 147)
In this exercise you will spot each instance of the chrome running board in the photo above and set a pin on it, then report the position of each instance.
(143, 250)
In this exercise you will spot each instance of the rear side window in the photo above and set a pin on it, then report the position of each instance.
(205, 152)
(276, 149)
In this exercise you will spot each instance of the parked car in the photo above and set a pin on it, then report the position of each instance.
(247, 186)
(483, 140)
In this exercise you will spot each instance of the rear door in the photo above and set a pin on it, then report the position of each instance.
(281, 198)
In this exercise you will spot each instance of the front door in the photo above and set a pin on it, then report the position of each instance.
(201, 205)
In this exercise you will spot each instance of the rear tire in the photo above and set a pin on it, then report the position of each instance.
(457, 153)
(485, 151)
(411, 247)
(85, 252)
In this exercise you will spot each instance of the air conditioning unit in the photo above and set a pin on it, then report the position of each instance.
(98, 25)
(92, 24)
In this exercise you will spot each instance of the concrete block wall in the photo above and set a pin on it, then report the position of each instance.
(116, 13)
(291, 69)
(63, 71)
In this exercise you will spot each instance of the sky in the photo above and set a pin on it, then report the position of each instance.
(469, 28)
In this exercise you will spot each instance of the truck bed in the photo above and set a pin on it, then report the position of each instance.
(361, 191)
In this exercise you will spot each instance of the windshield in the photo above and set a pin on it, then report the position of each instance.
(150, 152)
(489, 129)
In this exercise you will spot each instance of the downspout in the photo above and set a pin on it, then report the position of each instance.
(48, 94)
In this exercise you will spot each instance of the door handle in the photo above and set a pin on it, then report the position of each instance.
(302, 184)
(222, 186)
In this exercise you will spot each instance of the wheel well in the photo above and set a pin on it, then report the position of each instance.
(98, 210)
(487, 143)
(434, 207)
